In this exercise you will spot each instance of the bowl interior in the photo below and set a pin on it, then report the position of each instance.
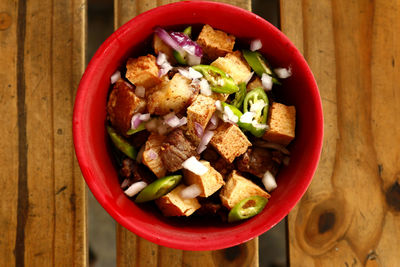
(90, 137)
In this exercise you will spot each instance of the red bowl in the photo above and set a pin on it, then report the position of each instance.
(91, 142)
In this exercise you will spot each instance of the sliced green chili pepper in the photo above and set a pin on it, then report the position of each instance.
(140, 128)
(158, 188)
(247, 208)
(234, 109)
(123, 145)
(219, 81)
(255, 95)
(258, 63)
(180, 58)
(188, 31)
(239, 96)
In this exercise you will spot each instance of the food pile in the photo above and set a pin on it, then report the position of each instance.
(195, 127)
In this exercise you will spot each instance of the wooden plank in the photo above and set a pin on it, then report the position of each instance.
(350, 214)
(43, 210)
(135, 251)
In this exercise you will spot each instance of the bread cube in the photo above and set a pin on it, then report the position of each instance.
(143, 71)
(238, 188)
(282, 124)
(122, 105)
(172, 204)
(215, 43)
(235, 65)
(151, 154)
(199, 112)
(255, 83)
(219, 96)
(170, 96)
(229, 141)
(209, 182)
(160, 46)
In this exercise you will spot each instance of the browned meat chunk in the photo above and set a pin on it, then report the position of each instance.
(208, 207)
(257, 161)
(175, 150)
(134, 172)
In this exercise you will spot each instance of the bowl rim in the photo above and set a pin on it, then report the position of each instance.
(82, 153)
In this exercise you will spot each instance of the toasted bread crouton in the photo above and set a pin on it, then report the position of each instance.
(143, 71)
(238, 188)
(172, 204)
(219, 96)
(234, 65)
(151, 154)
(199, 113)
(282, 124)
(170, 96)
(160, 46)
(229, 141)
(209, 182)
(122, 105)
(215, 43)
(255, 83)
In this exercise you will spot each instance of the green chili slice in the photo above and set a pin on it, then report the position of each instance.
(180, 57)
(123, 145)
(247, 208)
(251, 98)
(259, 64)
(158, 188)
(219, 81)
(188, 31)
(141, 127)
(239, 96)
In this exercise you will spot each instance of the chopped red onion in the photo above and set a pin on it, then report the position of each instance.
(187, 44)
(229, 116)
(255, 45)
(135, 188)
(194, 74)
(266, 81)
(115, 77)
(213, 123)
(283, 73)
(135, 121)
(164, 35)
(182, 122)
(139, 156)
(269, 181)
(198, 129)
(140, 91)
(207, 136)
(249, 78)
(195, 166)
(145, 117)
(218, 105)
(205, 88)
(272, 145)
(171, 120)
(165, 66)
(190, 192)
(152, 154)
(125, 183)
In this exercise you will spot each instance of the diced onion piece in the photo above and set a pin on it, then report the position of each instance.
(195, 166)
(182, 121)
(187, 44)
(165, 66)
(125, 183)
(184, 72)
(247, 117)
(266, 81)
(272, 145)
(163, 34)
(192, 191)
(171, 120)
(205, 88)
(193, 60)
(269, 181)
(229, 116)
(255, 45)
(213, 123)
(145, 117)
(204, 141)
(218, 105)
(283, 73)
(198, 129)
(135, 121)
(115, 77)
(140, 91)
(286, 161)
(249, 78)
(139, 156)
(135, 188)
(194, 74)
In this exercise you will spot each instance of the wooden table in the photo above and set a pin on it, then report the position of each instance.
(350, 215)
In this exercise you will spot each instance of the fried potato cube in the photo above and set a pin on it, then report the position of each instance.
(199, 113)
(238, 188)
(255, 83)
(152, 154)
(235, 65)
(122, 105)
(170, 96)
(282, 124)
(160, 46)
(229, 141)
(215, 43)
(143, 71)
(209, 182)
(172, 204)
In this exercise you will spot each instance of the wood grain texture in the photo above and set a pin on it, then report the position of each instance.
(350, 214)
(43, 208)
(135, 251)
